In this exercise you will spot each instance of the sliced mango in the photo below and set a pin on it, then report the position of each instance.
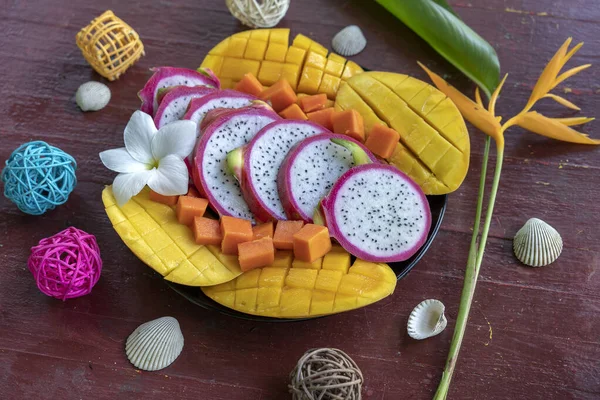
(434, 145)
(266, 53)
(151, 231)
(299, 292)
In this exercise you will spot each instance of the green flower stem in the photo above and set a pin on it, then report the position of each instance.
(472, 270)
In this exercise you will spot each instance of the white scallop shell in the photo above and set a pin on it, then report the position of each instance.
(537, 244)
(349, 41)
(155, 344)
(427, 319)
(92, 96)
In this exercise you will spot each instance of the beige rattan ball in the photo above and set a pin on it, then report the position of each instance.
(258, 13)
(326, 374)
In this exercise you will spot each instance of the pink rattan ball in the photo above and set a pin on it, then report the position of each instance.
(66, 265)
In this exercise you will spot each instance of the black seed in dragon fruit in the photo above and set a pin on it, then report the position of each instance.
(261, 160)
(227, 131)
(165, 77)
(376, 213)
(312, 167)
(199, 107)
(173, 105)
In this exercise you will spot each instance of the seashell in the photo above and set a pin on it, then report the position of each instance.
(537, 244)
(427, 319)
(92, 96)
(155, 344)
(349, 41)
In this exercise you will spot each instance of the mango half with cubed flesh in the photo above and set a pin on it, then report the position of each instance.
(153, 234)
(434, 142)
(294, 289)
(266, 54)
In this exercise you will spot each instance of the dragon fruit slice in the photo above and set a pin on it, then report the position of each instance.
(256, 165)
(376, 213)
(165, 77)
(312, 167)
(199, 107)
(226, 132)
(176, 101)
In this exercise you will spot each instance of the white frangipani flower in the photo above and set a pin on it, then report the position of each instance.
(151, 157)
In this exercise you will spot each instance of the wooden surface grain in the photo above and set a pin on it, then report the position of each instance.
(532, 334)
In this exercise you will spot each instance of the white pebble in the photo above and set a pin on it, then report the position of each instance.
(92, 96)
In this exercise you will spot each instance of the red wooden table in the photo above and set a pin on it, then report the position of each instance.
(533, 333)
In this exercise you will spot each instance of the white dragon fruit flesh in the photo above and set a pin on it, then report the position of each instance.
(199, 107)
(173, 105)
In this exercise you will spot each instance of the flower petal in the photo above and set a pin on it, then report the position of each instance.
(569, 73)
(574, 120)
(494, 98)
(562, 101)
(119, 160)
(177, 138)
(138, 137)
(537, 123)
(125, 186)
(171, 177)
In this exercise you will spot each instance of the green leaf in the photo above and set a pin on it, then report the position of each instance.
(439, 26)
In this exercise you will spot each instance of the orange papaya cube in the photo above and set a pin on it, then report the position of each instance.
(256, 254)
(293, 111)
(311, 242)
(313, 103)
(322, 117)
(159, 198)
(192, 192)
(234, 231)
(207, 231)
(190, 207)
(281, 95)
(382, 140)
(349, 122)
(262, 230)
(249, 84)
(283, 238)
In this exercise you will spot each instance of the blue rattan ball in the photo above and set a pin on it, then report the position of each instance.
(38, 177)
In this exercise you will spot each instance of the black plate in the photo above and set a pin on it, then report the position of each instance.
(195, 295)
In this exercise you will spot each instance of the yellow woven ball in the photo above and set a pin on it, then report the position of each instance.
(257, 13)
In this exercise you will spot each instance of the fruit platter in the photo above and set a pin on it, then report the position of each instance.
(281, 181)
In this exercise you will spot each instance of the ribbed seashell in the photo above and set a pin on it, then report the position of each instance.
(427, 319)
(537, 244)
(92, 96)
(155, 344)
(349, 41)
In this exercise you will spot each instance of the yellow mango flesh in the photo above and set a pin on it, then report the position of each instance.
(266, 54)
(302, 290)
(153, 234)
(434, 142)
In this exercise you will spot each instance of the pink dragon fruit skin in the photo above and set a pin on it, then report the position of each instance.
(376, 213)
(262, 159)
(164, 77)
(228, 130)
(176, 101)
(301, 188)
(226, 99)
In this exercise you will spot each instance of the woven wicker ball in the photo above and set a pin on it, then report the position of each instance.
(66, 265)
(258, 13)
(326, 374)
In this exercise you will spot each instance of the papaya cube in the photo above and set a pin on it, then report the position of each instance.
(315, 60)
(276, 52)
(234, 231)
(270, 72)
(280, 95)
(322, 117)
(349, 122)
(291, 73)
(249, 84)
(192, 192)
(293, 111)
(334, 67)
(262, 230)
(256, 254)
(280, 35)
(283, 238)
(295, 55)
(313, 103)
(310, 79)
(330, 85)
(255, 50)
(207, 231)
(159, 198)
(311, 242)
(190, 207)
(283, 259)
(382, 140)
